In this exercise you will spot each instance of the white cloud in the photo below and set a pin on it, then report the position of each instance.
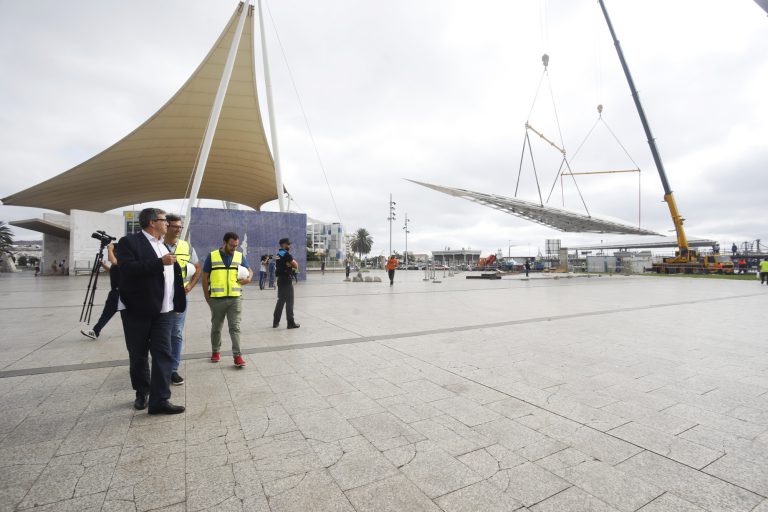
(432, 90)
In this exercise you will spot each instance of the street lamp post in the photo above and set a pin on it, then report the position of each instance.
(407, 220)
(391, 218)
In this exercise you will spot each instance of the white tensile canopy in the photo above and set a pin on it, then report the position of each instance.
(561, 220)
(156, 161)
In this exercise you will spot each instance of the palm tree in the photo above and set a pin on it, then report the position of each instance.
(6, 238)
(362, 242)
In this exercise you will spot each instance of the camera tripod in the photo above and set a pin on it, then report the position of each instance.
(90, 292)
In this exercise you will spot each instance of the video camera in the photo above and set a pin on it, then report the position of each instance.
(103, 237)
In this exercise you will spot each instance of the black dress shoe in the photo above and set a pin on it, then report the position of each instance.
(166, 408)
(294, 326)
(275, 325)
(140, 403)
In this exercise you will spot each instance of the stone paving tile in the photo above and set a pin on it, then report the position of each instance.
(650, 418)
(426, 390)
(529, 483)
(717, 421)
(477, 392)
(408, 408)
(360, 465)
(465, 410)
(572, 499)
(324, 425)
(675, 448)
(315, 492)
(508, 433)
(377, 388)
(394, 494)
(480, 496)
(669, 502)
(385, 431)
(437, 473)
(743, 473)
(512, 408)
(611, 485)
(451, 435)
(91, 503)
(699, 488)
(355, 404)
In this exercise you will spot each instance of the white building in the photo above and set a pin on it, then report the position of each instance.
(327, 239)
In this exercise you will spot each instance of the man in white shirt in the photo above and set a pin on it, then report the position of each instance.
(151, 290)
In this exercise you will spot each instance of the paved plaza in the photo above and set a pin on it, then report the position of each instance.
(571, 394)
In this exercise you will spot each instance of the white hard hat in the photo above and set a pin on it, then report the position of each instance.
(190, 270)
(242, 272)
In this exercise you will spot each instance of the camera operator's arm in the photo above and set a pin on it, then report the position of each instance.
(111, 254)
(132, 266)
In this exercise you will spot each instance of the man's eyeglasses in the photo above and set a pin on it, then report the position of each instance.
(175, 226)
(161, 220)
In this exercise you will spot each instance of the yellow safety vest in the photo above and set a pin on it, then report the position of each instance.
(764, 266)
(183, 254)
(223, 279)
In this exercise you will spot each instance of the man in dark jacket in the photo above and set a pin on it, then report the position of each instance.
(286, 268)
(151, 289)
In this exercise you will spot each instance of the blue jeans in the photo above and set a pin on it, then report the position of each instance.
(177, 329)
(262, 279)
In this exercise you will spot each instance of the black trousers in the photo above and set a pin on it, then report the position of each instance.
(391, 275)
(284, 298)
(145, 335)
(763, 277)
(110, 308)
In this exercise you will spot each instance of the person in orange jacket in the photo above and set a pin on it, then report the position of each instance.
(391, 266)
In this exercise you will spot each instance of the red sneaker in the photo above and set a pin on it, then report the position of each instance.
(239, 361)
(215, 357)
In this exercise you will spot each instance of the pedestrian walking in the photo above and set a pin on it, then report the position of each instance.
(110, 306)
(322, 267)
(347, 268)
(764, 271)
(527, 267)
(151, 290)
(286, 268)
(271, 269)
(391, 266)
(222, 286)
(185, 254)
(263, 272)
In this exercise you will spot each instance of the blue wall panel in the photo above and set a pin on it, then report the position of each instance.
(259, 233)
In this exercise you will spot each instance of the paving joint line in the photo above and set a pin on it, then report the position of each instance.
(4, 374)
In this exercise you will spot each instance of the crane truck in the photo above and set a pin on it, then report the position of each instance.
(686, 259)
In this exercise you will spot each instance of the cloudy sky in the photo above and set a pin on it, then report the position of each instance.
(432, 90)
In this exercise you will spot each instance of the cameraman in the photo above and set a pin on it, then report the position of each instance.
(110, 306)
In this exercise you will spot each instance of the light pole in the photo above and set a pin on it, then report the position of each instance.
(510, 249)
(407, 220)
(390, 219)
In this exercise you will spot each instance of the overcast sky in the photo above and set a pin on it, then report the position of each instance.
(437, 91)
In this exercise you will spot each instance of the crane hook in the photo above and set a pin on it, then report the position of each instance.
(600, 111)
(545, 60)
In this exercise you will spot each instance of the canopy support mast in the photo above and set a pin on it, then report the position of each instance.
(271, 111)
(213, 120)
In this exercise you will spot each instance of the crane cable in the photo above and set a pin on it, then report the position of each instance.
(561, 148)
(303, 113)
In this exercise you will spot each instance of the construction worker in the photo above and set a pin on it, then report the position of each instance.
(184, 254)
(222, 289)
(764, 271)
(743, 266)
(391, 266)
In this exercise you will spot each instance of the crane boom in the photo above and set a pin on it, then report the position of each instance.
(677, 219)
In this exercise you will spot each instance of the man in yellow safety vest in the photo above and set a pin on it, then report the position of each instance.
(184, 253)
(764, 271)
(222, 288)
